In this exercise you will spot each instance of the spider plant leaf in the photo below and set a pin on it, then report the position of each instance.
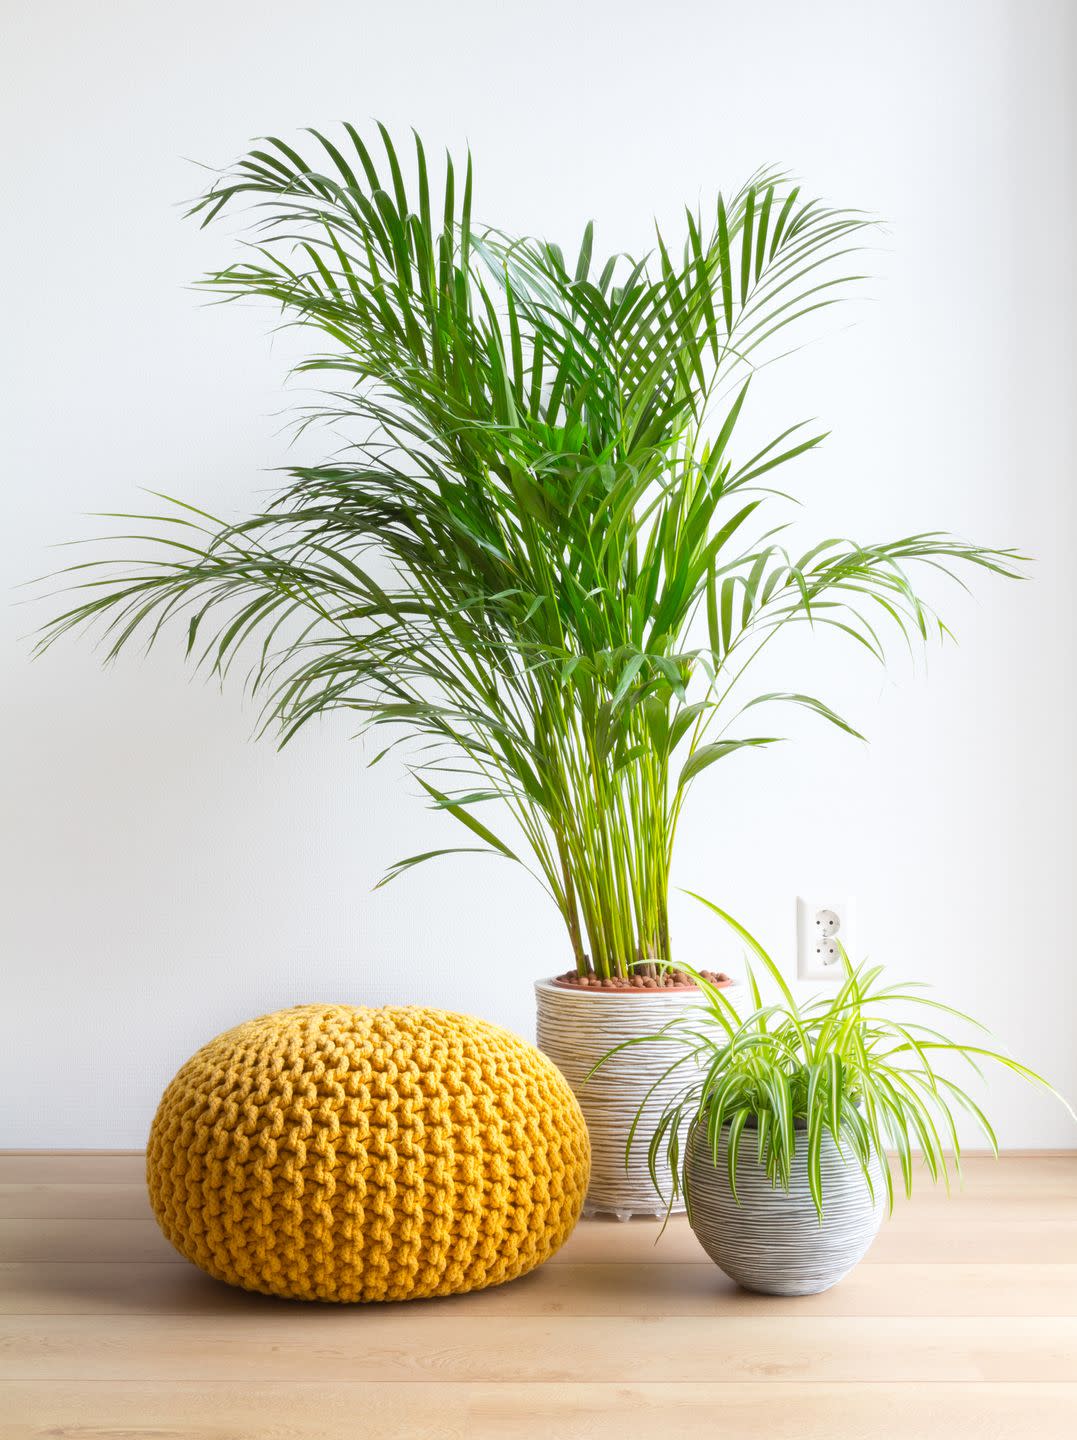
(814, 1164)
(763, 1126)
(737, 1122)
(835, 1083)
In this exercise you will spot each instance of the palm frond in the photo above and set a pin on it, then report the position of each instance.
(531, 562)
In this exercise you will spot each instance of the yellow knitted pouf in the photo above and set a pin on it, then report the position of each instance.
(334, 1152)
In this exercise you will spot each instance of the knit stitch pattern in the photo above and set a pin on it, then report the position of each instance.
(334, 1152)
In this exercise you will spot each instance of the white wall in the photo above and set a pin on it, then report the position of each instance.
(163, 877)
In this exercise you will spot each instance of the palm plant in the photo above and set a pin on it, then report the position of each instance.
(856, 1065)
(528, 561)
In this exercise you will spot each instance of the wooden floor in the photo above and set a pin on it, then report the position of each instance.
(961, 1322)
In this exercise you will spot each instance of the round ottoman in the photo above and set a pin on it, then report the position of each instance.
(334, 1152)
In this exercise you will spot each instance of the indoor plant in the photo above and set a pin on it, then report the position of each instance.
(530, 559)
(780, 1120)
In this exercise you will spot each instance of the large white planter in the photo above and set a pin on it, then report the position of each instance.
(773, 1240)
(575, 1029)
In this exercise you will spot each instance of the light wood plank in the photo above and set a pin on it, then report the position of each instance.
(84, 1167)
(909, 1238)
(78, 1201)
(1033, 1190)
(344, 1410)
(772, 1412)
(393, 1344)
(75, 1239)
(962, 1321)
(156, 1411)
(1038, 1171)
(103, 1289)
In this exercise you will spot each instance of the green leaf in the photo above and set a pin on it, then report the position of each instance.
(718, 750)
(631, 669)
(737, 1123)
(725, 266)
(399, 866)
(458, 812)
(746, 245)
(809, 702)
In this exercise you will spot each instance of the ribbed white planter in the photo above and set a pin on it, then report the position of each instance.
(575, 1029)
(773, 1241)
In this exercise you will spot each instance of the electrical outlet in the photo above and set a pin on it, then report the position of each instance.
(821, 924)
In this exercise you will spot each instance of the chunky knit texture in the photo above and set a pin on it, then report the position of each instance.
(339, 1153)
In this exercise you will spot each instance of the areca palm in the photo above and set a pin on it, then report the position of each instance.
(540, 561)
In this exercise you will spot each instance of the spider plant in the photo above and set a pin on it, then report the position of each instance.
(529, 558)
(861, 1065)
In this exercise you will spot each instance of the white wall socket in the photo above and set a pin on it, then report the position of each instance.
(821, 923)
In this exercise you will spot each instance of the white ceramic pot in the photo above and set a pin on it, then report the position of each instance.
(773, 1240)
(575, 1029)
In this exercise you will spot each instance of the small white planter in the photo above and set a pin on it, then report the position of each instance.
(773, 1241)
(575, 1029)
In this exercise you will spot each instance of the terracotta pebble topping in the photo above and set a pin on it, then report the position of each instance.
(665, 980)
